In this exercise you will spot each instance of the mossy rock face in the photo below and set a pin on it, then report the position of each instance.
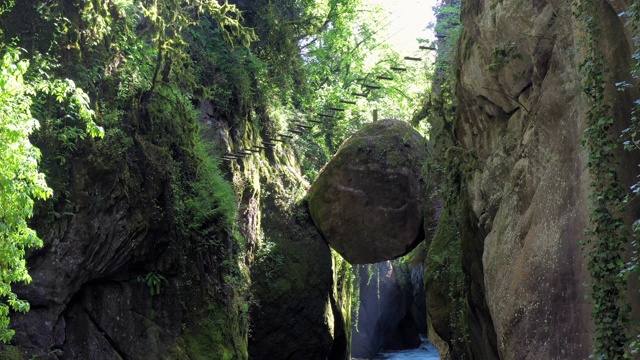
(296, 315)
(368, 201)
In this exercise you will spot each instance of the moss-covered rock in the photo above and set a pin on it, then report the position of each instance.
(445, 285)
(301, 291)
(143, 258)
(368, 201)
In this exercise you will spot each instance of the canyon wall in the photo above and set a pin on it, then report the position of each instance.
(521, 118)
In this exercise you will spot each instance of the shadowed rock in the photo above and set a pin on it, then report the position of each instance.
(368, 201)
(384, 320)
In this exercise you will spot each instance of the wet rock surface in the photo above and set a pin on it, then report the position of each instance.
(385, 318)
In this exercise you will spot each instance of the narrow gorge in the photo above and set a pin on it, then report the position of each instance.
(288, 179)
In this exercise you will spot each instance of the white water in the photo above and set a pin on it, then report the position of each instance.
(426, 351)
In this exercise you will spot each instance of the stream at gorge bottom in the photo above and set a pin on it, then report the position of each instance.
(426, 351)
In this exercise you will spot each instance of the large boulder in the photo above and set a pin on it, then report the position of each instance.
(368, 201)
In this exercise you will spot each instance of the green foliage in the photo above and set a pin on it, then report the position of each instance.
(501, 55)
(444, 76)
(630, 141)
(222, 74)
(606, 235)
(147, 65)
(213, 197)
(168, 20)
(20, 184)
(133, 59)
(444, 274)
(20, 180)
(153, 281)
(319, 52)
(349, 55)
(445, 280)
(10, 352)
(346, 291)
(270, 260)
(439, 107)
(62, 109)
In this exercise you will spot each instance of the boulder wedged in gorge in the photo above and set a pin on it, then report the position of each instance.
(368, 202)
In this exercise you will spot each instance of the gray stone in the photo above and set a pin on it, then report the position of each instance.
(368, 201)
(530, 189)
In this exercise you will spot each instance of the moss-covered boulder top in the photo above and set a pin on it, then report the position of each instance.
(368, 200)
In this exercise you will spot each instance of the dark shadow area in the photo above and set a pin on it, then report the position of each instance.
(392, 311)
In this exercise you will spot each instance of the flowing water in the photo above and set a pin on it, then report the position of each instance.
(426, 351)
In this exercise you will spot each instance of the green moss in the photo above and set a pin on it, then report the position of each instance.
(501, 55)
(384, 141)
(445, 283)
(495, 3)
(346, 299)
(294, 282)
(217, 335)
(10, 352)
(279, 260)
(110, 152)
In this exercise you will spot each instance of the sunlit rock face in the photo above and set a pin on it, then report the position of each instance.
(522, 114)
(368, 202)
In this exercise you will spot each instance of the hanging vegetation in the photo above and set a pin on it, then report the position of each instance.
(607, 234)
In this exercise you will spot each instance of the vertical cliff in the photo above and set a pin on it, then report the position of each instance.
(521, 117)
